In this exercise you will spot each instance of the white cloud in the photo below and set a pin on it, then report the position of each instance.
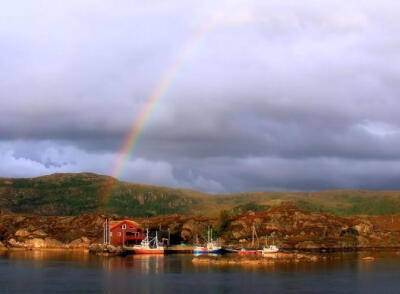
(380, 129)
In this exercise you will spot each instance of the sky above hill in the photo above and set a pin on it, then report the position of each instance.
(271, 95)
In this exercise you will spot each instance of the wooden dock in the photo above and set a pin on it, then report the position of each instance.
(179, 249)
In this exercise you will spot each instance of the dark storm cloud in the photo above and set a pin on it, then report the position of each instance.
(278, 95)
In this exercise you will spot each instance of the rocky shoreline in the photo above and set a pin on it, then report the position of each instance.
(38, 232)
(259, 260)
(275, 259)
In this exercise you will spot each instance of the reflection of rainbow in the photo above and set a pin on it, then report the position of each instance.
(139, 123)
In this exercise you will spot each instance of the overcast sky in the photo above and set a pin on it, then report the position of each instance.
(277, 95)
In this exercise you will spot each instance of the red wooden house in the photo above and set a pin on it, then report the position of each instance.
(125, 232)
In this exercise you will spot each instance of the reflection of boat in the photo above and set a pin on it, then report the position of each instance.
(210, 247)
(148, 246)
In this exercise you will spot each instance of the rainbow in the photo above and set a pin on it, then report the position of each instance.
(138, 125)
(132, 139)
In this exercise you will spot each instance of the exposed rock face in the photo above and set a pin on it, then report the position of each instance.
(277, 258)
(36, 243)
(107, 250)
(181, 228)
(82, 242)
(287, 226)
(365, 227)
(290, 227)
(307, 245)
(22, 233)
(50, 232)
(193, 228)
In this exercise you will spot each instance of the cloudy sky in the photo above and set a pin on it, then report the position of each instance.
(274, 95)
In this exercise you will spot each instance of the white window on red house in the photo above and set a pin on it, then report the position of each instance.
(123, 226)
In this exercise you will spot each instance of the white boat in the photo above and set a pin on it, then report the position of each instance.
(270, 249)
(210, 247)
(148, 246)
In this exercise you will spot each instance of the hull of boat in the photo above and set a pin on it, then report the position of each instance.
(266, 253)
(206, 251)
(148, 251)
(249, 252)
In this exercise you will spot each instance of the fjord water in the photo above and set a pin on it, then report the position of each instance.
(79, 272)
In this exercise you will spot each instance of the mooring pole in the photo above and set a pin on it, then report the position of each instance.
(105, 232)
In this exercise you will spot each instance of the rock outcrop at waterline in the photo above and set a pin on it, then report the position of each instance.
(288, 226)
(292, 228)
(31, 232)
(276, 258)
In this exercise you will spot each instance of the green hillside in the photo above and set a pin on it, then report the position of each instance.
(72, 194)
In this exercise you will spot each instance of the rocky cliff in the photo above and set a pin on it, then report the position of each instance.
(286, 226)
(19, 231)
(290, 227)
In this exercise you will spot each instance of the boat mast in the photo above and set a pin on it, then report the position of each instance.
(252, 236)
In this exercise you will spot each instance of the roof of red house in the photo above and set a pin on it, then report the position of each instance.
(114, 224)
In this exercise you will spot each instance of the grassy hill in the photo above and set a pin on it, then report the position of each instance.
(72, 194)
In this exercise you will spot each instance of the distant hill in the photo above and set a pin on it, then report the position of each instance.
(72, 194)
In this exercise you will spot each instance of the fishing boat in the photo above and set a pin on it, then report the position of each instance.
(252, 251)
(148, 246)
(211, 246)
(244, 251)
(270, 249)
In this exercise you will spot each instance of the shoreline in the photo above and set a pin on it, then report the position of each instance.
(43, 249)
(326, 251)
(280, 258)
(290, 228)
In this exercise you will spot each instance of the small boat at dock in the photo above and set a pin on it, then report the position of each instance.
(148, 246)
(252, 251)
(211, 246)
(244, 251)
(271, 249)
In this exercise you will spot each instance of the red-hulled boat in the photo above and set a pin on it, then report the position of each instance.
(244, 251)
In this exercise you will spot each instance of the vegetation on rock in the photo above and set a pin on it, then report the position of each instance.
(73, 194)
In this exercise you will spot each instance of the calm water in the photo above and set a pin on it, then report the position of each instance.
(78, 272)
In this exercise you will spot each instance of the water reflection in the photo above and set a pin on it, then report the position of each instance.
(79, 272)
